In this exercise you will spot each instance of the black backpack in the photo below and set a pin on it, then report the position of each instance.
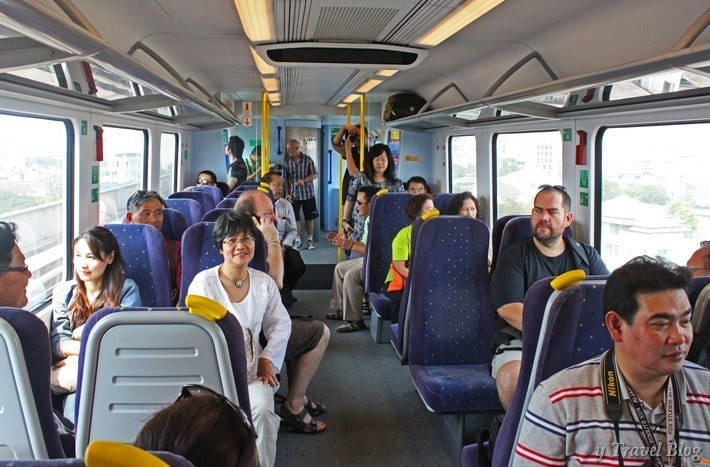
(402, 105)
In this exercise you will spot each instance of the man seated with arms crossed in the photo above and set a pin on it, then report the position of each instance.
(294, 267)
(309, 339)
(14, 273)
(639, 403)
(348, 291)
(146, 207)
(547, 253)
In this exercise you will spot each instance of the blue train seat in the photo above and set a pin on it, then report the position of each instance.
(27, 429)
(227, 203)
(213, 191)
(496, 235)
(135, 361)
(205, 199)
(211, 216)
(174, 224)
(387, 217)
(190, 209)
(143, 250)
(200, 253)
(442, 201)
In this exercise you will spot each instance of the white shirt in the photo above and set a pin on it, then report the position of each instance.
(285, 222)
(260, 309)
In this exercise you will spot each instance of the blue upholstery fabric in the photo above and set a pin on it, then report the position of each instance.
(211, 216)
(173, 460)
(227, 203)
(243, 187)
(34, 339)
(451, 321)
(205, 199)
(496, 235)
(232, 333)
(190, 209)
(143, 250)
(199, 253)
(213, 191)
(387, 217)
(469, 455)
(174, 224)
(442, 201)
(575, 332)
(397, 329)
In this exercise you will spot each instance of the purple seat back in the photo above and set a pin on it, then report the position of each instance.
(174, 224)
(190, 209)
(143, 250)
(442, 201)
(200, 253)
(205, 199)
(496, 235)
(211, 216)
(213, 191)
(243, 187)
(574, 331)
(227, 203)
(34, 341)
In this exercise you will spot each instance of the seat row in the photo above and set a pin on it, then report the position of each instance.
(132, 363)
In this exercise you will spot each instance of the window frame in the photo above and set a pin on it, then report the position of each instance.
(176, 157)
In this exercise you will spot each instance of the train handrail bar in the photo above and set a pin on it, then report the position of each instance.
(440, 93)
(534, 55)
(693, 31)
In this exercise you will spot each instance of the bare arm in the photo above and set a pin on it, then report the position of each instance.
(401, 268)
(512, 313)
(274, 257)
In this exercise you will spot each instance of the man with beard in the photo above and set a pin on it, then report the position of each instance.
(547, 253)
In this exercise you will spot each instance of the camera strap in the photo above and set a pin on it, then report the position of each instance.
(614, 409)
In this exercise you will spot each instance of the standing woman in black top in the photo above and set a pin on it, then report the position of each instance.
(347, 143)
(238, 168)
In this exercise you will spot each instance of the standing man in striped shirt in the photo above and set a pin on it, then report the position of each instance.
(300, 171)
(640, 403)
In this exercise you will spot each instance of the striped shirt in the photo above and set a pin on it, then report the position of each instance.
(294, 171)
(285, 222)
(566, 422)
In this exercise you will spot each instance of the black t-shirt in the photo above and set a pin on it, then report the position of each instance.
(522, 264)
(238, 170)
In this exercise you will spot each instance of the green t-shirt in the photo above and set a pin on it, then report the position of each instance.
(400, 248)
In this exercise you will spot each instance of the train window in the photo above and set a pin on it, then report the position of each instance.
(525, 161)
(43, 73)
(654, 193)
(33, 191)
(168, 163)
(121, 171)
(110, 85)
(462, 164)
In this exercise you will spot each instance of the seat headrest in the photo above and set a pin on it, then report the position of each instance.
(205, 307)
(101, 453)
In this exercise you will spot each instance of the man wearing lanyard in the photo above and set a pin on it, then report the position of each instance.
(641, 402)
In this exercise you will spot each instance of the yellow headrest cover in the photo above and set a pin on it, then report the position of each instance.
(205, 307)
(429, 214)
(382, 192)
(567, 279)
(113, 454)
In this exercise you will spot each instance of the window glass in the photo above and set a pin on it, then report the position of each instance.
(110, 85)
(33, 186)
(525, 161)
(655, 197)
(463, 164)
(168, 159)
(43, 74)
(121, 171)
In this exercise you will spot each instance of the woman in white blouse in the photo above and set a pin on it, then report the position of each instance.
(253, 298)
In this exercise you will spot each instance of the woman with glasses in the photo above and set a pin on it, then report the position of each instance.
(14, 273)
(253, 297)
(99, 282)
(204, 427)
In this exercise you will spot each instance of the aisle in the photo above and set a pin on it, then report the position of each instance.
(375, 417)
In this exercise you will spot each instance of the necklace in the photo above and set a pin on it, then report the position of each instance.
(238, 282)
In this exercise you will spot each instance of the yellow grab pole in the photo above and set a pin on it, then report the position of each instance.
(362, 132)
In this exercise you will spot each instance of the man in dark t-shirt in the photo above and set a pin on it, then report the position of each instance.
(237, 171)
(547, 253)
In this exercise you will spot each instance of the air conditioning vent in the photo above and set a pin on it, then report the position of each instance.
(340, 54)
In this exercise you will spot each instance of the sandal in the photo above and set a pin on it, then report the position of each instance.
(314, 408)
(335, 315)
(296, 421)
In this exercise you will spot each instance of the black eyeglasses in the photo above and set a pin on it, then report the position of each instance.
(553, 187)
(192, 390)
(24, 268)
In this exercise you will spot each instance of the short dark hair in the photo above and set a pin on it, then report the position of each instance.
(642, 274)
(457, 202)
(375, 151)
(415, 203)
(203, 429)
(7, 241)
(417, 179)
(229, 224)
(211, 174)
(266, 178)
(137, 199)
(566, 200)
(369, 191)
(236, 145)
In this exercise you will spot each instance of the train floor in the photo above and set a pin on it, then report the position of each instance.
(375, 416)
